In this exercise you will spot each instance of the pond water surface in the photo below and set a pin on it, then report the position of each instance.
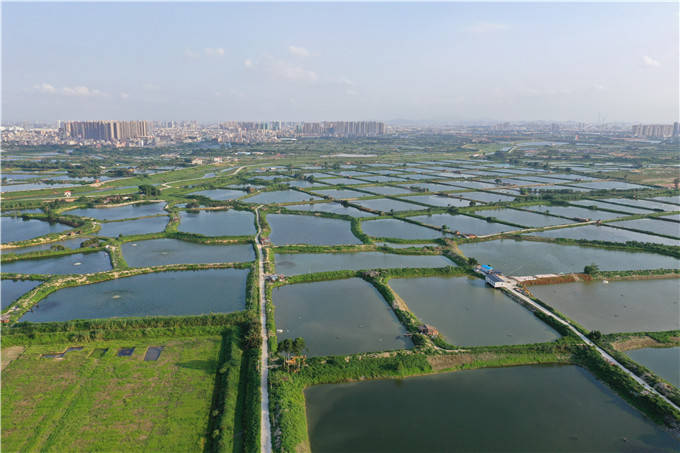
(11, 290)
(520, 409)
(665, 362)
(14, 229)
(305, 229)
(158, 252)
(218, 223)
(122, 212)
(77, 263)
(399, 229)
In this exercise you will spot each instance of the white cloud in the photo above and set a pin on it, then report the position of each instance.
(191, 54)
(82, 91)
(651, 62)
(486, 27)
(45, 88)
(299, 51)
(214, 52)
(248, 63)
(285, 70)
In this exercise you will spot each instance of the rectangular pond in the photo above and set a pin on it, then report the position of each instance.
(464, 224)
(528, 219)
(388, 190)
(281, 196)
(604, 233)
(13, 229)
(68, 243)
(470, 313)
(398, 229)
(304, 229)
(658, 226)
(132, 227)
(78, 263)
(665, 362)
(341, 194)
(573, 212)
(121, 212)
(335, 208)
(220, 194)
(486, 197)
(305, 263)
(617, 306)
(11, 290)
(438, 200)
(158, 252)
(159, 294)
(530, 258)
(517, 409)
(387, 205)
(338, 317)
(218, 223)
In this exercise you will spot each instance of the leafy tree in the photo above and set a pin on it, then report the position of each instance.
(149, 190)
(472, 261)
(591, 269)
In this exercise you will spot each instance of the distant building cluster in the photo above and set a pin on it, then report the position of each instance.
(342, 129)
(108, 131)
(656, 130)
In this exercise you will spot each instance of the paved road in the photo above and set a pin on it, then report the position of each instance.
(265, 424)
(587, 341)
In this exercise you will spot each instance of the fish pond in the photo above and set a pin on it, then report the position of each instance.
(78, 263)
(281, 196)
(158, 252)
(131, 227)
(530, 258)
(218, 223)
(604, 233)
(158, 294)
(562, 409)
(130, 211)
(387, 204)
(665, 362)
(335, 208)
(304, 229)
(304, 263)
(13, 229)
(470, 313)
(464, 224)
(618, 306)
(338, 317)
(11, 290)
(221, 194)
(398, 229)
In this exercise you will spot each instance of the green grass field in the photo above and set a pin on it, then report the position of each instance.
(88, 402)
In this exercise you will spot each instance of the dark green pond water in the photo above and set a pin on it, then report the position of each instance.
(618, 306)
(522, 409)
(157, 252)
(14, 229)
(470, 313)
(338, 317)
(78, 263)
(218, 223)
(11, 290)
(531, 258)
(159, 294)
(304, 263)
(665, 362)
(304, 229)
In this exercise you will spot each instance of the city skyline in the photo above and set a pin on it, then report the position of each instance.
(431, 63)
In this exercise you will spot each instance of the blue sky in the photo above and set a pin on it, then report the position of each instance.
(315, 61)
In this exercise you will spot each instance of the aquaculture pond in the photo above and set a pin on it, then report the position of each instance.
(13, 229)
(618, 185)
(157, 252)
(78, 263)
(11, 290)
(335, 208)
(304, 229)
(159, 294)
(530, 258)
(304, 263)
(618, 306)
(657, 226)
(604, 233)
(341, 194)
(648, 205)
(221, 194)
(131, 227)
(69, 244)
(121, 212)
(398, 229)
(437, 200)
(573, 212)
(433, 187)
(613, 207)
(516, 409)
(470, 313)
(387, 205)
(528, 219)
(388, 190)
(218, 223)
(464, 224)
(338, 317)
(486, 197)
(281, 196)
(665, 362)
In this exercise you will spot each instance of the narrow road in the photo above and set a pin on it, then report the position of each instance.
(265, 424)
(605, 355)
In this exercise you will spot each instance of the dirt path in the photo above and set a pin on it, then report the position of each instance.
(265, 423)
